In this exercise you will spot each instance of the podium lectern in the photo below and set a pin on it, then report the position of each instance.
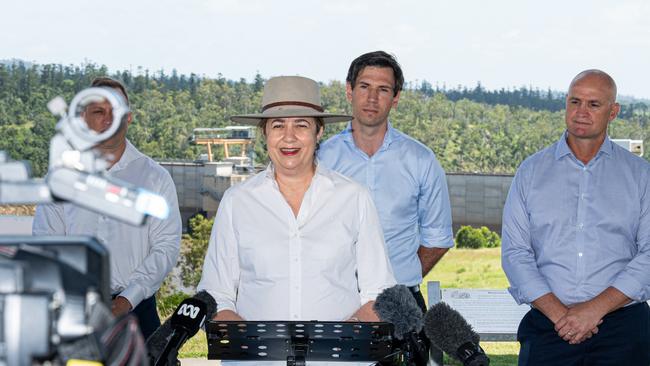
(296, 342)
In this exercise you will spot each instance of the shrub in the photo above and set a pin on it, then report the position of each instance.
(493, 240)
(193, 248)
(167, 304)
(473, 238)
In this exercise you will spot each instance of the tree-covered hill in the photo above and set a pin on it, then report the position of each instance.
(527, 97)
(470, 130)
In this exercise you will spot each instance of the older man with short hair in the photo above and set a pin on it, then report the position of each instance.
(576, 240)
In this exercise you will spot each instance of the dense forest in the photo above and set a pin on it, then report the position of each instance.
(532, 98)
(470, 130)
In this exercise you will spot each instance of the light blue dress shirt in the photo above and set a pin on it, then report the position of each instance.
(409, 188)
(575, 229)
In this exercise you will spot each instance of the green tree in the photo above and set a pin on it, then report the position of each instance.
(193, 248)
(469, 129)
(475, 238)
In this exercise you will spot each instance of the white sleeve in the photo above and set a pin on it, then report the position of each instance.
(220, 276)
(164, 248)
(374, 271)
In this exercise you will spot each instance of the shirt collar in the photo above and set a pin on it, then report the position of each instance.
(320, 173)
(130, 154)
(562, 149)
(391, 135)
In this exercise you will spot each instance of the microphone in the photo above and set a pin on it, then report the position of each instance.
(397, 305)
(189, 316)
(450, 332)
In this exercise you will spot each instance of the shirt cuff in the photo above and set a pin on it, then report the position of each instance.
(367, 296)
(629, 286)
(133, 293)
(437, 238)
(529, 292)
(222, 302)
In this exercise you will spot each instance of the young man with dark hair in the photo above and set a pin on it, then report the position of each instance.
(376, 59)
(406, 181)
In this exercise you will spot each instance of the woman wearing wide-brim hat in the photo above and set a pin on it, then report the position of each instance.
(296, 241)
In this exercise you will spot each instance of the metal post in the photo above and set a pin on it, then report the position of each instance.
(434, 296)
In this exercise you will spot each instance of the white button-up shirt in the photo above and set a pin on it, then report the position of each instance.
(140, 257)
(266, 264)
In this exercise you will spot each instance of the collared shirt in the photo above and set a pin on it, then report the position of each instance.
(409, 188)
(140, 257)
(574, 229)
(266, 264)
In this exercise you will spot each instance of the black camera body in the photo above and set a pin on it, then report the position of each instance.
(54, 291)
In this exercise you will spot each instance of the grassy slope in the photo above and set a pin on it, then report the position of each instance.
(475, 268)
(460, 268)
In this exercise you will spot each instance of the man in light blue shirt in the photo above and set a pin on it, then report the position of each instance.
(405, 180)
(576, 240)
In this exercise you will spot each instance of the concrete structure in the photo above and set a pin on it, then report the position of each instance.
(200, 185)
(476, 199)
(240, 137)
(634, 146)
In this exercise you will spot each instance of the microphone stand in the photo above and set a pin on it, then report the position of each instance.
(169, 355)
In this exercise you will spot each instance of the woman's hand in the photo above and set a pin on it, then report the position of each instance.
(365, 314)
(227, 315)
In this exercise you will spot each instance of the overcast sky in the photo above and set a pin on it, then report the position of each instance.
(507, 43)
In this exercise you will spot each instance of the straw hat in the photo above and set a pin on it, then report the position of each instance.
(290, 96)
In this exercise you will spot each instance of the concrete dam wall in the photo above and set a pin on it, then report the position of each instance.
(476, 199)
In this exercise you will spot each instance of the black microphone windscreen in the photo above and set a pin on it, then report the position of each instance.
(211, 305)
(445, 327)
(397, 305)
(448, 330)
(189, 316)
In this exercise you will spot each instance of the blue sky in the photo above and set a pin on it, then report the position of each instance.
(501, 43)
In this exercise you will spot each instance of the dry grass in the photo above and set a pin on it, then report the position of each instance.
(17, 210)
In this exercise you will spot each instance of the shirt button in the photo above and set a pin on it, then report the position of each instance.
(584, 168)
(580, 226)
(582, 196)
(580, 254)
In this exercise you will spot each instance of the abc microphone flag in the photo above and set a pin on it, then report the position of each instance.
(188, 309)
(189, 316)
(187, 319)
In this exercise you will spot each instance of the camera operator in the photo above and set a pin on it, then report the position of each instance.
(140, 257)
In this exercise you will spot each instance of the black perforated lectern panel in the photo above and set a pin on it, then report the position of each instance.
(316, 341)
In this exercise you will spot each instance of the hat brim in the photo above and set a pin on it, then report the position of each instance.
(254, 119)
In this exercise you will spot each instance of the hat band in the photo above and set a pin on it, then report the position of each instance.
(302, 104)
